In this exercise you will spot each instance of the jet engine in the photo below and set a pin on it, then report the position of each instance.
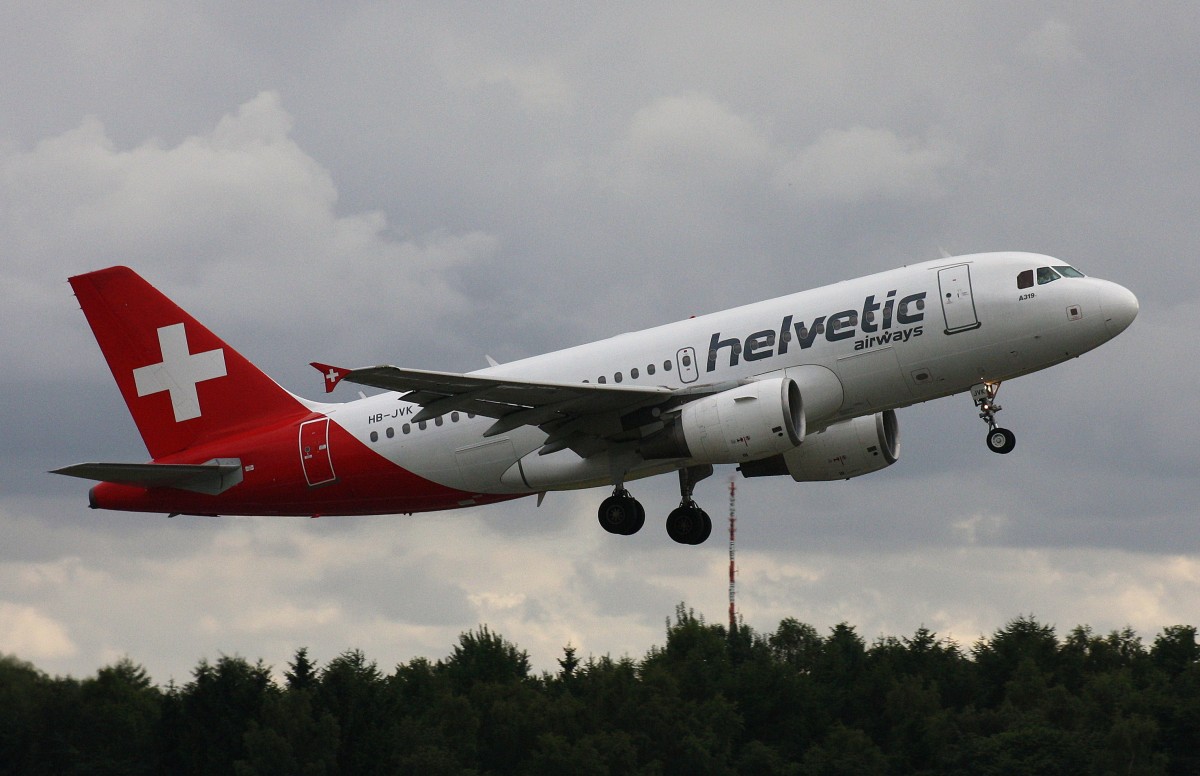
(843, 450)
(752, 421)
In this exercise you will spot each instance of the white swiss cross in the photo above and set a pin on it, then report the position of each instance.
(179, 372)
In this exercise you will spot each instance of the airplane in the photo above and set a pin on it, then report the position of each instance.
(806, 385)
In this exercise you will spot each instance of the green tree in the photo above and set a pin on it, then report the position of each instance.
(845, 751)
(302, 674)
(567, 664)
(797, 644)
(205, 723)
(1022, 639)
(119, 721)
(1175, 649)
(353, 692)
(294, 737)
(20, 706)
(483, 656)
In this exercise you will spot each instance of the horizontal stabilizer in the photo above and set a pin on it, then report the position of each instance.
(211, 478)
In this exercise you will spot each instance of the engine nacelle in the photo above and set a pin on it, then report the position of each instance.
(841, 451)
(752, 421)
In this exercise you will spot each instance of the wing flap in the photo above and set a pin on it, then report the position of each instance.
(211, 478)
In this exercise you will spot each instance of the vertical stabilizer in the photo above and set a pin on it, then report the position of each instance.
(182, 383)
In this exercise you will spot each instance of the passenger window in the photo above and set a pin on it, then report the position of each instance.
(602, 379)
(374, 436)
(617, 377)
(391, 432)
(1025, 279)
(438, 420)
(666, 366)
(633, 373)
(1046, 275)
(453, 417)
(649, 369)
(407, 429)
(421, 425)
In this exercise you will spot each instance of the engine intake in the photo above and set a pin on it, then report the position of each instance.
(752, 421)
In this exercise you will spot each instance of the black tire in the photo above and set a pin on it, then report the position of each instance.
(621, 514)
(1001, 440)
(688, 524)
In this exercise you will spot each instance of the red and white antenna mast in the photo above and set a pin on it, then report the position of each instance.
(732, 558)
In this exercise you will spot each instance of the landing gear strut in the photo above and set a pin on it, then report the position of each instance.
(999, 440)
(621, 513)
(688, 523)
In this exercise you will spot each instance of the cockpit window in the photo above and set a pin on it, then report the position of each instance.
(1046, 275)
(1069, 272)
(1025, 279)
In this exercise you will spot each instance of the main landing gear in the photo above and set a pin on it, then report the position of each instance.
(688, 523)
(999, 440)
(622, 514)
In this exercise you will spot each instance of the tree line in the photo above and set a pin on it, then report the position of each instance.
(709, 701)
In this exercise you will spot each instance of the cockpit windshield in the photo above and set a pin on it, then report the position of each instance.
(1047, 275)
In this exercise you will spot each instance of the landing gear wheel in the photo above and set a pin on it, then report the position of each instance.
(621, 514)
(689, 524)
(1001, 440)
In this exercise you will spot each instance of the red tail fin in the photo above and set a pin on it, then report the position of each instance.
(182, 383)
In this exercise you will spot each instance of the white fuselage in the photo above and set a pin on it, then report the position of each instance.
(856, 348)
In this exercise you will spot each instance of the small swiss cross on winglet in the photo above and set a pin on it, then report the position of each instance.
(332, 374)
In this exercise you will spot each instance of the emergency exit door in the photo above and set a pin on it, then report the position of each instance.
(958, 305)
(314, 452)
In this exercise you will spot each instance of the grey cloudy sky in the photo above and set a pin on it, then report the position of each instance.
(424, 184)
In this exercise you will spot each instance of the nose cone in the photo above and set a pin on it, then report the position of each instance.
(1120, 307)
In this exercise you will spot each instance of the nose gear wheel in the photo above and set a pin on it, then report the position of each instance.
(999, 440)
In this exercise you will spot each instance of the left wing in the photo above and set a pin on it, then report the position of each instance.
(585, 417)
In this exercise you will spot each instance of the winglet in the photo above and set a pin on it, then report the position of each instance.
(332, 374)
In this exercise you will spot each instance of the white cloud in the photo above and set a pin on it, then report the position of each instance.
(1054, 41)
(693, 149)
(31, 635)
(687, 142)
(538, 87)
(862, 163)
(964, 593)
(240, 217)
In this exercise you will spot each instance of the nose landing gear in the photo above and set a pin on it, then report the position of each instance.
(999, 440)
